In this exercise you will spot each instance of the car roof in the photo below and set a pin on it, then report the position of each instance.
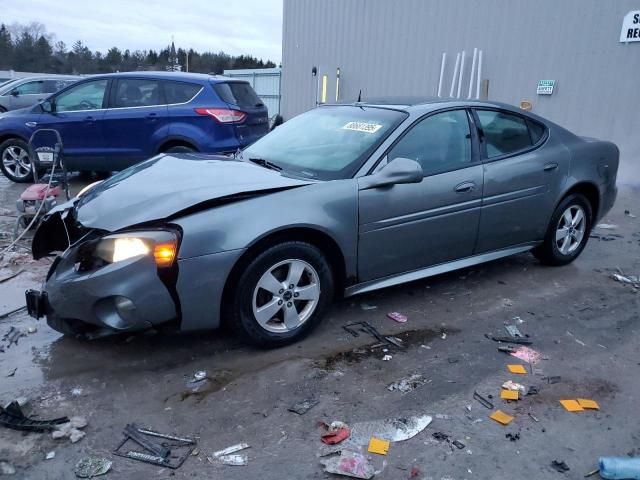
(425, 103)
(158, 74)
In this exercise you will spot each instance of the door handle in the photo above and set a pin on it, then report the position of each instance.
(550, 166)
(152, 117)
(465, 187)
(89, 119)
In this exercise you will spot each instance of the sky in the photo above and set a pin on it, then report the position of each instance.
(252, 27)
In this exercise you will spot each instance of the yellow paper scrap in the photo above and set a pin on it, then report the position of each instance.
(501, 417)
(571, 405)
(509, 394)
(588, 404)
(379, 446)
(516, 368)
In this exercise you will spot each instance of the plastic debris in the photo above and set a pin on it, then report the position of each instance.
(397, 317)
(559, 466)
(517, 340)
(482, 400)
(526, 354)
(378, 446)
(228, 456)
(458, 444)
(337, 433)
(501, 417)
(606, 226)
(509, 394)
(386, 358)
(440, 436)
(152, 447)
(533, 390)
(12, 336)
(12, 417)
(12, 372)
(366, 306)
(513, 331)
(392, 429)
(588, 404)
(349, 464)
(50, 455)
(89, 467)
(571, 405)
(629, 214)
(199, 376)
(408, 384)
(71, 429)
(519, 369)
(76, 392)
(553, 379)
(303, 406)
(618, 468)
(626, 279)
(509, 385)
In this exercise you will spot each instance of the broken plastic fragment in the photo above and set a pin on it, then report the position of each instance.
(303, 406)
(501, 417)
(509, 394)
(571, 405)
(89, 467)
(392, 429)
(349, 464)
(588, 404)
(517, 369)
(526, 354)
(398, 317)
(386, 358)
(513, 386)
(378, 446)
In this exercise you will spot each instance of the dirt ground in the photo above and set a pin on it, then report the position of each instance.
(584, 324)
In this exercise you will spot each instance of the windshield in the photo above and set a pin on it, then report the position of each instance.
(328, 142)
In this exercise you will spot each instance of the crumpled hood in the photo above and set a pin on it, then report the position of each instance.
(169, 184)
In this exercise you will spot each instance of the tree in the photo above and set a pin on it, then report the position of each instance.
(30, 48)
(6, 48)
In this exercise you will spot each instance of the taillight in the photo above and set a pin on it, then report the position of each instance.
(223, 115)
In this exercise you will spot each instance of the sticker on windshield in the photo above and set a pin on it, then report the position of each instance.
(362, 127)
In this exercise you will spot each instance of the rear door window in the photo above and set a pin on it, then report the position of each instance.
(180, 92)
(137, 92)
(238, 93)
(31, 88)
(504, 133)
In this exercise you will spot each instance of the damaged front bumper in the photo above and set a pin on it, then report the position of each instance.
(126, 295)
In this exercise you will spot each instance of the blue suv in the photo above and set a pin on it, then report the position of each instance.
(109, 122)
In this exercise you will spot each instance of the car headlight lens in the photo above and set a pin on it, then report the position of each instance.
(162, 244)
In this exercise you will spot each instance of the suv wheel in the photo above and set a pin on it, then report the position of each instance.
(15, 162)
(180, 149)
(568, 231)
(282, 294)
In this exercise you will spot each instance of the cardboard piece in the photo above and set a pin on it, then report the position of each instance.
(379, 446)
(501, 417)
(588, 404)
(517, 369)
(509, 394)
(571, 405)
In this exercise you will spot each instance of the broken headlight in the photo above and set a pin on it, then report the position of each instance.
(162, 244)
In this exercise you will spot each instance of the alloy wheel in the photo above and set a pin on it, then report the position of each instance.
(15, 160)
(286, 296)
(571, 229)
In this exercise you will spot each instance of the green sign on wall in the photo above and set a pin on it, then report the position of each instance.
(545, 87)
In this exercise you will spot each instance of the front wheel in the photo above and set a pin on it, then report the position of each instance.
(568, 231)
(282, 294)
(15, 162)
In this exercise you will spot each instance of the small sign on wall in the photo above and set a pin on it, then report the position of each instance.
(631, 27)
(545, 87)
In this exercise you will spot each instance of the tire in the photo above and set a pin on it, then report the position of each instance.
(278, 303)
(3, 110)
(565, 239)
(180, 149)
(14, 159)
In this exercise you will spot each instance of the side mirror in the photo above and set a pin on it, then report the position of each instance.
(15, 92)
(47, 106)
(398, 171)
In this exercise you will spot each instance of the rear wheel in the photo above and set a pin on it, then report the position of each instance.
(282, 294)
(15, 162)
(568, 231)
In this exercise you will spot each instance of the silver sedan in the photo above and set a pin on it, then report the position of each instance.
(341, 200)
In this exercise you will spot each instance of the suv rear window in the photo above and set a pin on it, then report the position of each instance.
(238, 93)
(180, 92)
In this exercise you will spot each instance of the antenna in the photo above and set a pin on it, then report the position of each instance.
(360, 96)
